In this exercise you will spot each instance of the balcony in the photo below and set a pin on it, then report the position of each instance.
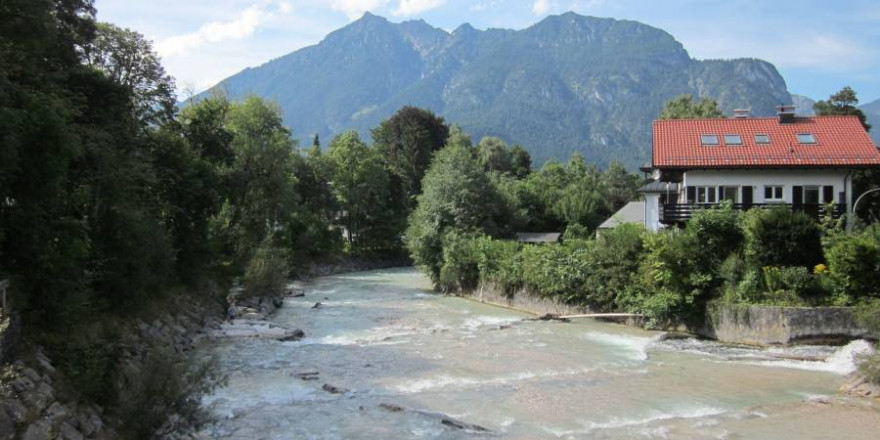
(676, 214)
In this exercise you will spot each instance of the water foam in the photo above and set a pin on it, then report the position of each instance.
(447, 381)
(651, 417)
(635, 347)
(842, 362)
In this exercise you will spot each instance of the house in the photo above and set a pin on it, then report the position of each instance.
(806, 163)
(537, 237)
(632, 212)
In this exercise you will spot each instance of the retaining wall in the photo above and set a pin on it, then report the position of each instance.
(772, 325)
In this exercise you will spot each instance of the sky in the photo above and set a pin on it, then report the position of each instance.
(819, 46)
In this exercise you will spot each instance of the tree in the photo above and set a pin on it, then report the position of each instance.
(458, 196)
(407, 141)
(844, 103)
(520, 161)
(259, 196)
(494, 155)
(684, 107)
(360, 185)
(127, 58)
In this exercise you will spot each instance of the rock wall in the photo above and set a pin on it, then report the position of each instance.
(36, 404)
(771, 325)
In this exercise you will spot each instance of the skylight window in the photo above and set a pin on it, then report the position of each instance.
(762, 138)
(709, 139)
(733, 139)
(806, 138)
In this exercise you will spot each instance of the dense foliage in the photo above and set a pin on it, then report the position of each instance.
(669, 276)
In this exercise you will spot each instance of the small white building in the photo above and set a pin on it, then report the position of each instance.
(803, 162)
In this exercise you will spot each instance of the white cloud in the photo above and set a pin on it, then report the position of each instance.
(355, 8)
(824, 52)
(413, 7)
(243, 26)
(540, 7)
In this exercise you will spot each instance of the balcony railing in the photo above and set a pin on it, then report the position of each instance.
(682, 212)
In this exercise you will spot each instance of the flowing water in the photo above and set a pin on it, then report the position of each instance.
(407, 359)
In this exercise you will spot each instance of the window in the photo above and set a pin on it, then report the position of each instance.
(733, 139)
(706, 194)
(773, 193)
(806, 138)
(762, 138)
(709, 139)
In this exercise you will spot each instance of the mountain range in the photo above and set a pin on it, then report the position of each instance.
(567, 84)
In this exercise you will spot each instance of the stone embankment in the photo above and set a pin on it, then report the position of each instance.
(36, 404)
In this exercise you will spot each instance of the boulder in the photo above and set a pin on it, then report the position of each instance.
(295, 335)
(16, 410)
(458, 424)
(7, 426)
(333, 389)
(391, 407)
(38, 431)
(69, 432)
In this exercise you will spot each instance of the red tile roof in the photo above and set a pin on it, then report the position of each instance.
(840, 142)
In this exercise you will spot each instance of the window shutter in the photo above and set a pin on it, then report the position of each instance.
(747, 197)
(797, 195)
(827, 194)
(691, 194)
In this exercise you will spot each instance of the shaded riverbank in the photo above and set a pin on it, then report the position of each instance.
(386, 358)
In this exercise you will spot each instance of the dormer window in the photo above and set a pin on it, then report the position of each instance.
(732, 139)
(762, 138)
(709, 139)
(806, 138)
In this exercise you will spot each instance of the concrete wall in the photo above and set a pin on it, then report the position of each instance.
(770, 325)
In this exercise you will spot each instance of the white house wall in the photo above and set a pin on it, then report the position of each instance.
(759, 178)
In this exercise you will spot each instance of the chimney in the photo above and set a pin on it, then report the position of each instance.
(741, 113)
(786, 113)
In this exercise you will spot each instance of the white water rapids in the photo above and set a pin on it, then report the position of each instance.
(414, 365)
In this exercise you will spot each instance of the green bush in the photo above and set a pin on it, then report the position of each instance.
(575, 231)
(854, 263)
(164, 396)
(267, 271)
(718, 231)
(460, 270)
(612, 262)
(500, 263)
(782, 237)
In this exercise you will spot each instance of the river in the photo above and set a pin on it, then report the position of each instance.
(413, 364)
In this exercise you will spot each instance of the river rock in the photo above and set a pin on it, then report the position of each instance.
(16, 410)
(458, 424)
(858, 385)
(252, 316)
(391, 407)
(317, 305)
(38, 431)
(308, 375)
(333, 389)
(7, 426)
(295, 335)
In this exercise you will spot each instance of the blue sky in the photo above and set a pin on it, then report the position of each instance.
(818, 46)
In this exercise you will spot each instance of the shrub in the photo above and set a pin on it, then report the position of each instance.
(613, 261)
(854, 264)
(782, 237)
(575, 231)
(460, 270)
(718, 231)
(162, 399)
(500, 263)
(266, 272)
